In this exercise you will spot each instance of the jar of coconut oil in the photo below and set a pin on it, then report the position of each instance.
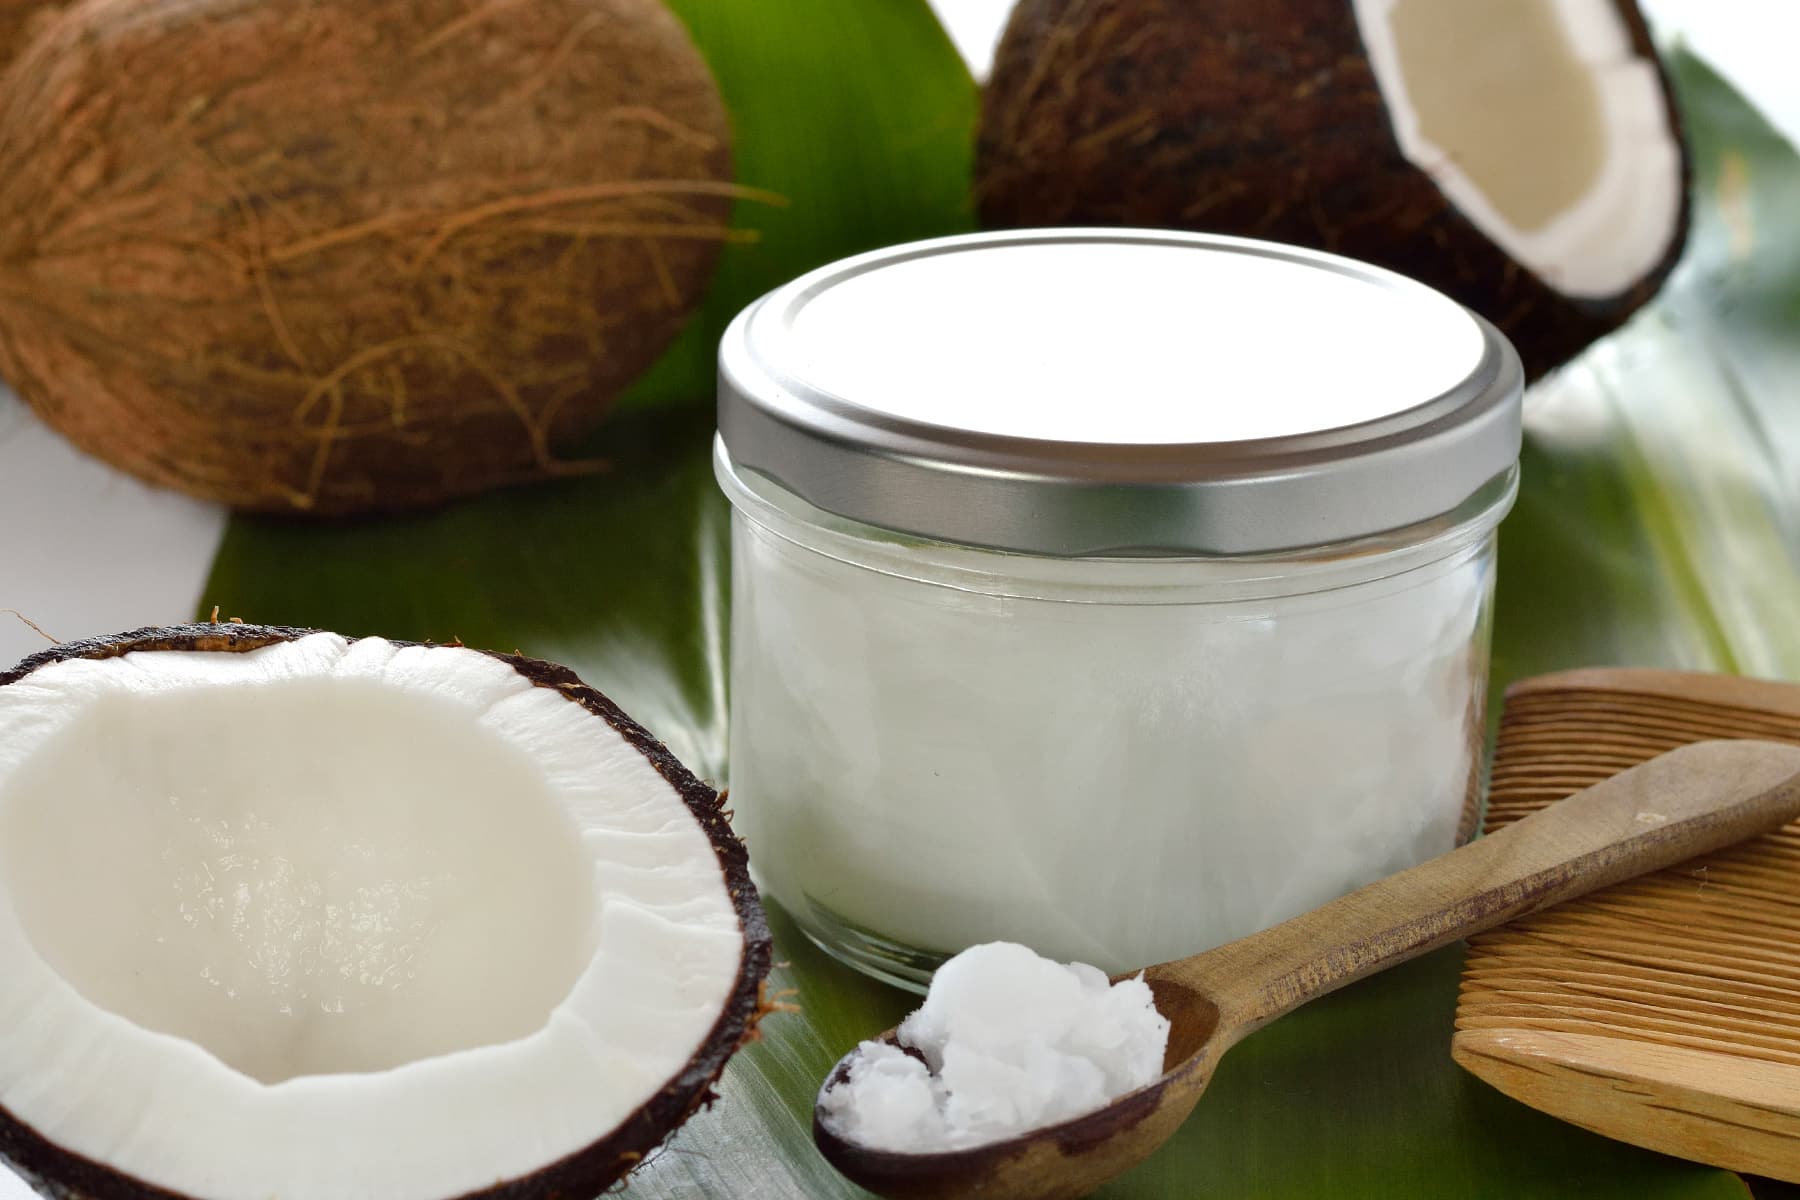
(1115, 592)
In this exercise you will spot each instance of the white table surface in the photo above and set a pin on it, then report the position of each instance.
(85, 550)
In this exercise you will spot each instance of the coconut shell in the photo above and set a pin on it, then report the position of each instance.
(59, 1173)
(332, 255)
(1254, 117)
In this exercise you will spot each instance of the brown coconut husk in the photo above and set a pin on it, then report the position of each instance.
(18, 22)
(335, 255)
(1253, 117)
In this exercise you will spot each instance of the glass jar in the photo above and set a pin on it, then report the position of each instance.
(1115, 592)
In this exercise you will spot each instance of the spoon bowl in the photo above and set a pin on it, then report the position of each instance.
(1071, 1157)
(1690, 801)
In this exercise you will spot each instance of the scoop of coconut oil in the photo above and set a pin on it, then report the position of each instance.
(926, 764)
(1005, 1042)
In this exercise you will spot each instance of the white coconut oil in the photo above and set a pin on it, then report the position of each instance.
(1115, 761)
(1005, 1043)
(1115, 592)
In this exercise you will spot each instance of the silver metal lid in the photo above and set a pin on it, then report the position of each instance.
(1086, 392)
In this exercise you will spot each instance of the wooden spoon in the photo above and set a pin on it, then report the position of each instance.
(1681, 804)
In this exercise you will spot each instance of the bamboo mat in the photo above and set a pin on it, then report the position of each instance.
(1664, 1011)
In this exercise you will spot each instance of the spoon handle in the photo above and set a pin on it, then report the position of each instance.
(1681, 804)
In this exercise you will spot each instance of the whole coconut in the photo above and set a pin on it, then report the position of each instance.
(338, 255)
(1284, 119)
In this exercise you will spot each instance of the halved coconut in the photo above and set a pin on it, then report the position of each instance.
(1523, 157)
(288, 915)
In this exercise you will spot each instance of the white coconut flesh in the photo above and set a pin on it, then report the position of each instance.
(1541, 124)
(329, 920)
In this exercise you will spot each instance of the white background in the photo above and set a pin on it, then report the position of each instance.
(84, 550)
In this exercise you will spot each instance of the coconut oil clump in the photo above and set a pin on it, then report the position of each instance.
(1006, 1042)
